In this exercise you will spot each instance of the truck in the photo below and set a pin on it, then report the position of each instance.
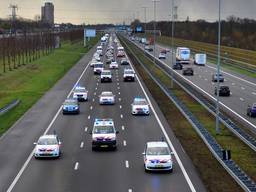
(200, 59)
(183, 55)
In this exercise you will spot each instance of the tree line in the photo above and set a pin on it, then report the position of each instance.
(235, 32)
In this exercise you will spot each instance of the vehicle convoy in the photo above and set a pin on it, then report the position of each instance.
(106, 76)
(98, 68)
(223, 91)
(129, 75)
(104, 134)
(70, 106)
(188, 71)
(183, 55)
(251, 110)
(80, 94)
(200, 59)
(157, 157)
(107, 98)
(47, 146)
(140, 106)
(215, 77)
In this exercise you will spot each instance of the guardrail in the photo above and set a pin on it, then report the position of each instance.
(232, 168)
(10, 106)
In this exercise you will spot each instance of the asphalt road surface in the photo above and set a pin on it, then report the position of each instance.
(243, 89)
(79, 168)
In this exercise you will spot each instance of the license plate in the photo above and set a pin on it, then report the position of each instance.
(159, 165)
(104, 146)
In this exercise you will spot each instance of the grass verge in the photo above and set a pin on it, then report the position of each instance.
(212, 173)
(30, 82)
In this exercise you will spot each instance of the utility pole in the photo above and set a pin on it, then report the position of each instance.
(145, 24)
(174, 17)
(217, 126)
(13, 15)
(155, 1)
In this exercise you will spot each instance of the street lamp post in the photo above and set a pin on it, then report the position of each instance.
(217, 126)
(172, 46)
(155, 1)
(145, 25)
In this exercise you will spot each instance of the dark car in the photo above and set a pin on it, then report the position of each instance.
(215, 77)
(188, 71)
(177, 66)
(251, 110)
(223, 91)
(125, 62)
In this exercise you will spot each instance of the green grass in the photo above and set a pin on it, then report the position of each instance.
(31, 81)
(212, 173)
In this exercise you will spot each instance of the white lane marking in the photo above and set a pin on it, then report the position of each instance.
(242, 88)
(167, 138)
(16, 179)
(91, 107)
(253, 93)
(85, 129)
(119, 93)
(127, 164)
(129, 190)
(93, 100)
(95, 93)
(117, 83)
(97, 84)
(123, 128)
(200, 76)
(82, 145)
(118, 87)
(120, 106)
(117, 79)
(231, 93)
(96, 88)
(241, 99)
(124, 142)
(212, 83)
(121, 116)
(233, 84)
(89, 117)
(206, 79)
(119, 99)
(76, 166)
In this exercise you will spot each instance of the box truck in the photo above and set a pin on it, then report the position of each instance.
(200, 59)
(183, 55)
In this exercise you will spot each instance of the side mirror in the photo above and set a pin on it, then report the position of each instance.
(60, 143)
(117, 132)
(143, 153)
(172, 153)
(35, 143)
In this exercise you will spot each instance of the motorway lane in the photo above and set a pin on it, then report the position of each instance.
(17, 143)
(80, 169)
(243, 93)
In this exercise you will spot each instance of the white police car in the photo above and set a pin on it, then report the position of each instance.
(104, 134)
(80, 93)
(140, 106)
(157, 157)
(107, 98)
(162, 56)
(128, 75)
(47, 146)
(98, 68)
(105, 76)
(113, 65)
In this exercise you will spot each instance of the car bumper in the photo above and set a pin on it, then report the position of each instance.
(140, 112)
(46, 155)
(158, 167)
(70, 112)
(104, 144)
(106, 80)
(128, 78)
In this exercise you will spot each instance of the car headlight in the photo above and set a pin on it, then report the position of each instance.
(169, 161)
(76, 107)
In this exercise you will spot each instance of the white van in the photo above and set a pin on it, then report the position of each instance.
(183, 55)
(200, 59)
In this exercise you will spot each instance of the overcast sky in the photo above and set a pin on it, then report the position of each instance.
(117, 11)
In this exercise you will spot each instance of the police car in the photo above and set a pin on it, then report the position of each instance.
(106, 76)
(104, 134)
(107, 98)
(128, 75)
(80, 93)
(140, 106)
(70, 106)
(113, 65)
(47, 146)
(157, 157)
(98, 68)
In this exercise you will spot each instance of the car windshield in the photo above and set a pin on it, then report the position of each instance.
(107, 94)
(98, 65)
(140, 102)
(106, 73)
(70, 103)
(185, 52)
(158, 151)
(128, 72)
(103, 129)
(47, 141)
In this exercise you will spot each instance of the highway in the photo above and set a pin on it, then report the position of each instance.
(243, 89)
(80, 168)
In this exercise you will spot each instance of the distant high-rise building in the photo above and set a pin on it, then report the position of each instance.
(47, 13)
